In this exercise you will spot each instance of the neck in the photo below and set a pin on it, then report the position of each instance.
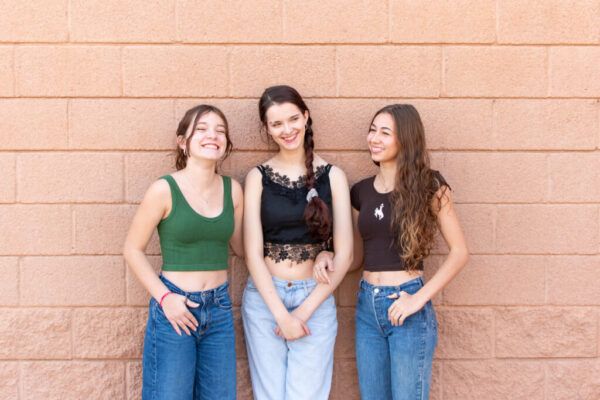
(297, 156)
(387, 172)
(201, 172)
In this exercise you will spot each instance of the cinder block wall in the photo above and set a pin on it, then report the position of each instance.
(90, 95)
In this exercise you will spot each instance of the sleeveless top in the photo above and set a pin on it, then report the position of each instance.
(192, 242)
(285, 234)
(381, 252)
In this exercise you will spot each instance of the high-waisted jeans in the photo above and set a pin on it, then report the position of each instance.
(283, 370)
(200, 366)
(394, 362)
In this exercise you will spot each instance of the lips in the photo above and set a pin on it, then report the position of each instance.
(376, 150)
(211, 146)
(289, 139)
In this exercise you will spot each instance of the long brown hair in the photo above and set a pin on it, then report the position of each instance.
(415, 199)
(191, 117)
(316, 213)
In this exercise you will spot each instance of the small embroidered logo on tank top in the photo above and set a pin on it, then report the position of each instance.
(379, 212)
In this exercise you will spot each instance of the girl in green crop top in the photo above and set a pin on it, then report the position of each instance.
(189, 348)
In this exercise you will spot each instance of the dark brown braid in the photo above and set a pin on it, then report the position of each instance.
(316, 213)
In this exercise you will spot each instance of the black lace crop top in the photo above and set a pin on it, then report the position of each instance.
(285, 235)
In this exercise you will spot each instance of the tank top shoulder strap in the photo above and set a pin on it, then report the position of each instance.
(227, 194)
(176, 195)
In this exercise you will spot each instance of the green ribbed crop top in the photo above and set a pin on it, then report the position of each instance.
(191, 242)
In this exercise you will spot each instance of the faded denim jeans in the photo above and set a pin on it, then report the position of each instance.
(394, 362)
(282, 370)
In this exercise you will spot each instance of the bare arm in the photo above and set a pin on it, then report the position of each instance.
(359, 251)
(457, 257)
(236, 241)
(155, 206)
(450, 228)
(253, 244)
(342, 242)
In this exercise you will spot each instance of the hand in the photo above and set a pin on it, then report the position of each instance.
(292, 328)
(322, 264)
(404, 307)
(175, 307)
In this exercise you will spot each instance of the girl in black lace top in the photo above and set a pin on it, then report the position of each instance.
(296, 205)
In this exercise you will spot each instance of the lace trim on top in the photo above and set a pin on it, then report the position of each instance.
(297, 253)
(285, 181)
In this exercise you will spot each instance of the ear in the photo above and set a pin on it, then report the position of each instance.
(181, 142)
(306, 115)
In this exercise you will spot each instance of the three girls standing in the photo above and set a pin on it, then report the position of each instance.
(297, 207)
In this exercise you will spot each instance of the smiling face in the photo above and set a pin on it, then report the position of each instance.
(382, 140)
(209, 139)
(286, 124)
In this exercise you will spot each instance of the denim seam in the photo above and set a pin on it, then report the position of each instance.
(420, 394)
(154, 352)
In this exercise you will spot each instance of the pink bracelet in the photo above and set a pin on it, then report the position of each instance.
(163, 297)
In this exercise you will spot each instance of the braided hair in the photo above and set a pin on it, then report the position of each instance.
(316, 213)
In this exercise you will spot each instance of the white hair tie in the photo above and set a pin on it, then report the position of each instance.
(311, 193)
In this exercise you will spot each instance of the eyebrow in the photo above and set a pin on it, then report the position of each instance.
(383, 127)
(291, 116)
(204, 123)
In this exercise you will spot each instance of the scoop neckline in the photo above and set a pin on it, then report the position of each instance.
(196, 212)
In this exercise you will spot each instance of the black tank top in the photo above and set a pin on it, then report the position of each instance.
(285, 234)
(380, 250)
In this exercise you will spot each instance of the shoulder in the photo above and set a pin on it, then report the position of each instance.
(237, 192)
(253, 178)
(439, 180)
(336, 173)
(158, 192)
(360, 185)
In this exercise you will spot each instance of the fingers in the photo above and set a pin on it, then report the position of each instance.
(305, 328)
(319, 273)
(192, 304)
(401, 320)
(190, 317)
(174, 325)
(183, 326)
(393, 296)
(330, 266)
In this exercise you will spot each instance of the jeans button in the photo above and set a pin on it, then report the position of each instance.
(289, 284)
(376, 290)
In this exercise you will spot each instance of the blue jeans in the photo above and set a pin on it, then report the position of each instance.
(200, 366)
(282, 370)
(394, 362)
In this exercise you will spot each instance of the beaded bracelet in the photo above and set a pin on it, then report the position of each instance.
(163, 297)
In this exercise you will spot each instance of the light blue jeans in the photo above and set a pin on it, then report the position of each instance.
(282, 370)
(394, 362)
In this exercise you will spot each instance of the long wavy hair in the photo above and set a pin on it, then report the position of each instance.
(191, 117)
(416, 197)
(316, 213)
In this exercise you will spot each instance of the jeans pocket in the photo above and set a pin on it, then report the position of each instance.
(223, 301)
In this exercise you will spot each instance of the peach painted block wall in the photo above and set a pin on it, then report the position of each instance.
(509, 91)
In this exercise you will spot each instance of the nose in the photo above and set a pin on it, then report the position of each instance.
(287, 128)
(211, 133)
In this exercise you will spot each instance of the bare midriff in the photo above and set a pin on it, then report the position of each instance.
(196, 281)
(390, 278)
(290, 270)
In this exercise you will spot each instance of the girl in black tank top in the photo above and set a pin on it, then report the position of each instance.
(396, 214)
(289, 320)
